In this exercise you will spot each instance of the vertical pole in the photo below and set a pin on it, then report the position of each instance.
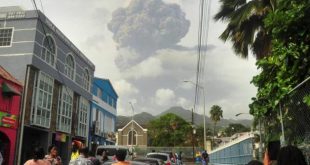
(22, 113)
(282, 126)
(204, 120)
(260, 140)
(193, 144)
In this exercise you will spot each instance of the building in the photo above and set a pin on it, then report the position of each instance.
(103, 113)
(56, 77)
(132, 134)
(10, 98)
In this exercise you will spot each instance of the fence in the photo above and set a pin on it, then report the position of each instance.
(294, 114)
(238, 151)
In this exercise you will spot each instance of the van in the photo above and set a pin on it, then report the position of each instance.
(111, 150)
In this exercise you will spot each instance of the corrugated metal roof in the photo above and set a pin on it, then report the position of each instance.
(6, 75)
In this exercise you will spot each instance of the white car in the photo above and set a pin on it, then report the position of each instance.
(168, 160)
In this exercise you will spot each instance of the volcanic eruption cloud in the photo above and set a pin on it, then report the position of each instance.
(144, 27)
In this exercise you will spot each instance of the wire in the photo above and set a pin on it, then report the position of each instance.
(203, 28)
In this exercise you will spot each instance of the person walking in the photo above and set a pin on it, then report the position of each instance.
(104, 157)
(53, 157)
(37, 157)
(76, 145)
(204, 157)
(82, 159)
(120, 157)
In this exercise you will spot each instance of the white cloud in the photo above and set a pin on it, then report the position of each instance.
(124, 88)
(185, 103)
(164, 97)
(149, 68)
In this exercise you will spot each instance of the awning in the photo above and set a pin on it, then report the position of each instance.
(9, 89)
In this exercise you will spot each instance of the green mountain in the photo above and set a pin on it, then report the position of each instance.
(144, 118)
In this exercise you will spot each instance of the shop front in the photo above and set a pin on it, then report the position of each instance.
(8, 132)
(10, 97)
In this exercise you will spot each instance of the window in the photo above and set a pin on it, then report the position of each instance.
(69, 67)
(82, 118)
(6, 36)
(132, 138)
(42, 100)
(86, 80)
(108, 124)
(98, 122)
(64, 112)
(48, 50)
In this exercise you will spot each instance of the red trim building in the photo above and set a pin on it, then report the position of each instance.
(10, 98)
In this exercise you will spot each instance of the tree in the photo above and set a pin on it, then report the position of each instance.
(169, 130)
(200, 136)
(288, 64)
(245, 27)
(216, 113)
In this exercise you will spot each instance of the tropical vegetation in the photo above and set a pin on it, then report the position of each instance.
(245, 25)
(170, 130)
(278, 34)
(288, 64)
(216, 113)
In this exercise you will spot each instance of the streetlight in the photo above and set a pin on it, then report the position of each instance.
(260, 134)
(204, 111)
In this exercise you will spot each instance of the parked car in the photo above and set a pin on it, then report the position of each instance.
(166, 157)
(150, 161)
(110, 150)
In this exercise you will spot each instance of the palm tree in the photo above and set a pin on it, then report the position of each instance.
(245, 28)
(216, 113)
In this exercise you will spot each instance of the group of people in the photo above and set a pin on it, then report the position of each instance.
(39, 157)
(79, 156)
(288, 155)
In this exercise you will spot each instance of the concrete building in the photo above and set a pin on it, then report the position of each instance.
(132, 134)
(103, 113)
(56, 77)
(10, 98)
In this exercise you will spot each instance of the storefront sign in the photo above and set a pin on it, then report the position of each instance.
(61, 137)
(8, 120)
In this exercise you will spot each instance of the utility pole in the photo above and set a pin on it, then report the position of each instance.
(204, 112)
(193, 134)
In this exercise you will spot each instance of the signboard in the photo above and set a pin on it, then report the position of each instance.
(61, 137)
(8, 120)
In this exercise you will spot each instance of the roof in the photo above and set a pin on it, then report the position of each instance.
(10, 8)
(130, 123)
(6, 75)
(108, 81)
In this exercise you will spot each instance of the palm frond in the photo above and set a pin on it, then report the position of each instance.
(227, 8)
(262, 45)
(245, 12)
(227, 33)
